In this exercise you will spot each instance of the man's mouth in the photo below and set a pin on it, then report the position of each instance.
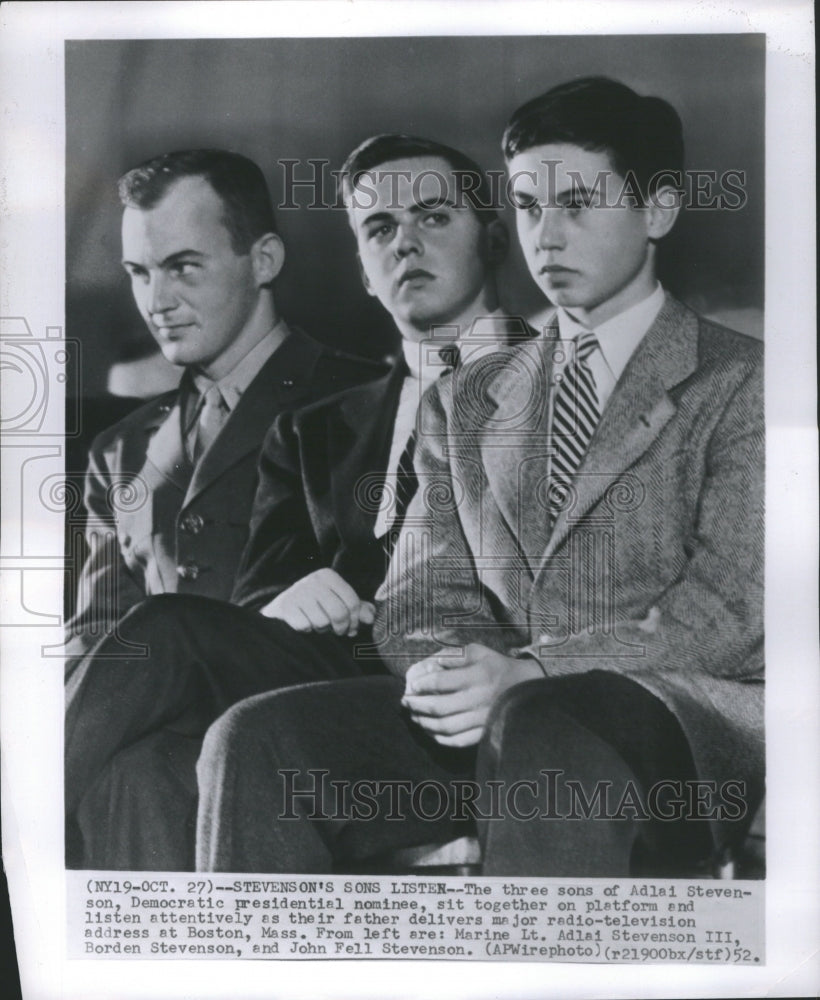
(170, 329)
(555, 269)
(416, 274)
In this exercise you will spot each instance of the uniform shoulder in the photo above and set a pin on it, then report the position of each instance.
(149, 411)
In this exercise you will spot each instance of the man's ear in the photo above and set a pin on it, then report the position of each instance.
(663, 208)
(497, 242)
(363, 274)
(267, 257)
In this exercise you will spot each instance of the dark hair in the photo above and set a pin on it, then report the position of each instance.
(384, 148)
(642, 135)
(236, 180)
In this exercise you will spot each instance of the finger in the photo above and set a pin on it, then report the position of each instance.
(335, 612)
(418, 670)
(440, 681)
(467, 739)
(452, 725)
(345, 593)
(440, 705)
(367, 613)
(296, 618)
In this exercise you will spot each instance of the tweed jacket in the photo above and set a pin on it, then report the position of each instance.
(654, 567)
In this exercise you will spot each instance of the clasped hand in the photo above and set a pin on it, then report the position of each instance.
(322, 602)
(451, 696)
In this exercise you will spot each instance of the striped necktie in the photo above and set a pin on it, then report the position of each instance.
(575, 415)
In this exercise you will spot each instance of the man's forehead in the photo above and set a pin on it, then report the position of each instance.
(398, 185)
(189, 211)
(557, 165)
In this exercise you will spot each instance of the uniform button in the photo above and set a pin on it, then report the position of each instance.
(287, 383)
(189, 571)
(192, 524)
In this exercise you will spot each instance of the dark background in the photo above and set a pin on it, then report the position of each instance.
(273, 99)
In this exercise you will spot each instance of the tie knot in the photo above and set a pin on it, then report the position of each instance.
(585, 344)
(450, 355)
(212, 398)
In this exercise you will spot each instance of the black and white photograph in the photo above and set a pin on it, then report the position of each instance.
(405, 501)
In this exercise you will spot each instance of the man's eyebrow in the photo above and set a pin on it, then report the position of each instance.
(377, 217)
(172, 258)
(431, 204)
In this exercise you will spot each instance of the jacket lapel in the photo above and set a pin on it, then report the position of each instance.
(638, 410)
(165, 453)
(359, 443)
(281, 384)
(514, 444)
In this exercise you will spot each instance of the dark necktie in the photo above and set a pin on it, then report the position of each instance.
(406, 479)
(575, 415)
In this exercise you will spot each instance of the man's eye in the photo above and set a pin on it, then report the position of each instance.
(136, 274)
(381, 232)
(575, 206)
(528, 205)
(436, 219)
(183, 268)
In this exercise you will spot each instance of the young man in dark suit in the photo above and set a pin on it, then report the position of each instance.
(576, 626)
(334, 481)
(169, 488)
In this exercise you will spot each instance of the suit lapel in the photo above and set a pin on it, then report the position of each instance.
(514, 444)
(638, 410)
(359, 443)
(281, 384)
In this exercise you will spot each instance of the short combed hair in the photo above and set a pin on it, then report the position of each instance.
(642, 135)
(390, 146)
(237, 181)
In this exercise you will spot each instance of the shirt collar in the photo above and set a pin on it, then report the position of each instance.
(618, 337)
(234, 384)
(483, 336)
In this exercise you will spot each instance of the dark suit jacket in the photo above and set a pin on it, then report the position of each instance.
(655, 570)
(319, 477)
(156, 524)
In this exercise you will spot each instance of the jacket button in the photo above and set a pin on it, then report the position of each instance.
(188, 571)
(192, 524)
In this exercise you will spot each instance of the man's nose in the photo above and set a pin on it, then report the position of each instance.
(407, 241)
(550, 235)
(161, 297)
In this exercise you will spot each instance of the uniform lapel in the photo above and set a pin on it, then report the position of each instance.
(281, 384)
(165, 453)
(638, 410)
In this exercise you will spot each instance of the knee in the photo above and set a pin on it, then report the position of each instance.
(241, 734)
(168, 609)
(516, 711)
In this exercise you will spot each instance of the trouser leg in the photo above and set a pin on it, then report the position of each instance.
(603, 740)
(140, 814)
(311, 778)
(204, 656)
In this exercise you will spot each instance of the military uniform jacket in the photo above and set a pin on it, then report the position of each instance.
(158, 525)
